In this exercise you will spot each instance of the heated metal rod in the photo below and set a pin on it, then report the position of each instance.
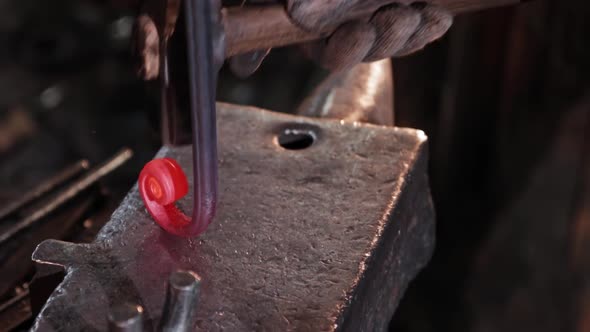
(69, 193)
(252, 28)
(45, 187)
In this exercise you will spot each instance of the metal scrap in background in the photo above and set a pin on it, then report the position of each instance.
(55, 209)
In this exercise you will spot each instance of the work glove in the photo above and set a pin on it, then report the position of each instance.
(364, 31)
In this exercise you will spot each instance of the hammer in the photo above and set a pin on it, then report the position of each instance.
(251, 28)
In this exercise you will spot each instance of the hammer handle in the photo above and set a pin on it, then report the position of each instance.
(252, 28)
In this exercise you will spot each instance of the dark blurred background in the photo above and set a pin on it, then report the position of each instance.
(504, 98)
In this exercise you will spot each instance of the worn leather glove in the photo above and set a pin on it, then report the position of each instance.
(364, 30)
(392, 31)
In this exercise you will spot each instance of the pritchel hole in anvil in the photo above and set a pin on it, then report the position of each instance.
(296, 139)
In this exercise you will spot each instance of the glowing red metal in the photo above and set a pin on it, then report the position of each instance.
(161, 183)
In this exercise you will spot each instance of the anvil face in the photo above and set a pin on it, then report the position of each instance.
(323, 238)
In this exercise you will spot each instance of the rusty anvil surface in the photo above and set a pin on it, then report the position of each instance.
(321, 239)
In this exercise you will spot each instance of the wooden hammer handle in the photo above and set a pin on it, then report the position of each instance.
(253, 28)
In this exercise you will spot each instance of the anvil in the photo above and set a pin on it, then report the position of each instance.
(319, 236)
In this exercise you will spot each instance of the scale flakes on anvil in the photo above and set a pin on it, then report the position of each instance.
(325, 238)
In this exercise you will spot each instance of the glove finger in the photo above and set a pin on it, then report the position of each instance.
(394, 26)
(347, 46)
(434, 24)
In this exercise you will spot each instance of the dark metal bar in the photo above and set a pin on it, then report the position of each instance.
(67, 194)
(45, 187)
(202, 105)
(15, 312)
(181, 301)
(14, 300)
(59, 225)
